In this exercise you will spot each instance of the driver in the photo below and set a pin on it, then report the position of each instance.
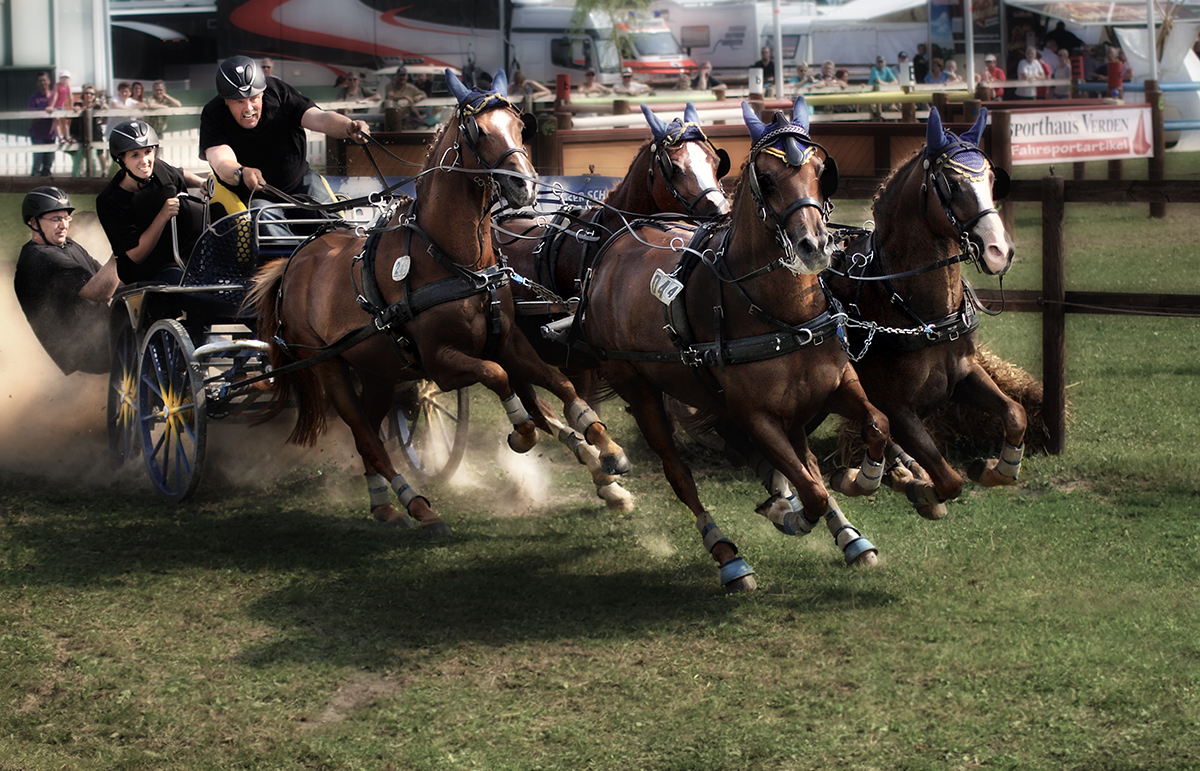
(138, 204)
(252, 133)
(63, 291)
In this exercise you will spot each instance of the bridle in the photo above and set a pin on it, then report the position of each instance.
(935, 171)
(471, 134)
(661, 159)
(798, 149)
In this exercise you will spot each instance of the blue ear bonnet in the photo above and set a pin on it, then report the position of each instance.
(943, 148)
(476, 100)
(787, 139)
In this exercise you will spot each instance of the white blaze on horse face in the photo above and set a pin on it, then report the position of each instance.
(706, 177)
(997, 247)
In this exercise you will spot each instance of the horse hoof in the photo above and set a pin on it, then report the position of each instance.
(436, 530)
(615, 497)
(867, 559)
(522, 444)
(390, 516)
(616, 465)
(861, 553)
(738, 576)
(934, 512)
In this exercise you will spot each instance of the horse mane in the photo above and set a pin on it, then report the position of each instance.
(622, 188)
(887, 191)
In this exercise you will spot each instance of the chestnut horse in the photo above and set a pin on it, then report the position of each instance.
(749, 334)
(913, 318)
(428, 286)
(677, 172)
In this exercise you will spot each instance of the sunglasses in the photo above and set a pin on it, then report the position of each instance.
(57, 219)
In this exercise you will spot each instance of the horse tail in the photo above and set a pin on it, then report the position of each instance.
(263, 299)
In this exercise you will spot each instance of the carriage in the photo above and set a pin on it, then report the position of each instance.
(185, 354)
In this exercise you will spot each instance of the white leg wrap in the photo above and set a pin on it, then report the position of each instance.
(583, 452)
(1010, 460)
(404, 491)
(851, 542)
(581, 416)
(517, 414)
(870, 475)
(709, 531)
(377, 486)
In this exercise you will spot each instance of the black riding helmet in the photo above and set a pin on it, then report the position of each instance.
(240, 77)
(130, 135)
(43, 200)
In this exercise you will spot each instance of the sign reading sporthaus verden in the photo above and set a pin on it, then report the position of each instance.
(1101, 133)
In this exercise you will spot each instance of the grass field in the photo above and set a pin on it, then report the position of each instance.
(269, 624)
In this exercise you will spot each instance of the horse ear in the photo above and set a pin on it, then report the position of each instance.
(753, 122)
(800, 113)
(934, 136)
(500, 83)
(975, 134)
(456, 86)
(690, 115)
(657, 127)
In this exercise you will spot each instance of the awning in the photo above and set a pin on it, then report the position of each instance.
(866, 10)
(1107, 12)
(153, 30)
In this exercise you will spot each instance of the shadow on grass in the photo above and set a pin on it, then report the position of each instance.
(341, 589)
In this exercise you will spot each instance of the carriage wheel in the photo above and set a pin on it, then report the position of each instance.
(431, 427)
(171, 410)
(122, 395)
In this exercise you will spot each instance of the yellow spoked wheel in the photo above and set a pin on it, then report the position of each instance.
(430, 425)
(122, 395)
(171, 410)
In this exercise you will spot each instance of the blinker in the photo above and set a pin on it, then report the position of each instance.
(793, 153)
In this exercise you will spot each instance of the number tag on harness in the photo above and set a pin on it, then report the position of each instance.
(400, 267)
(665, 288)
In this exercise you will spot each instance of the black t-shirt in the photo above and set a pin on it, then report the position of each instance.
(74, 331)
(125, 216)
(277, 145)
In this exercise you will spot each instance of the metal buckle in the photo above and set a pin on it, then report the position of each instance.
(691, 357)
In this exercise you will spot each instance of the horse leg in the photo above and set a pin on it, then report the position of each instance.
(454, 368)
(850, 401)
(523, 362)
(376, 401)
(979, 390)
(646, 405)
(816, 504)
(933, 481)
(335, 378)
(608, 489)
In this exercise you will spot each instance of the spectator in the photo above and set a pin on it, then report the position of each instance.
(88, 100)
(1063, 38)
(881, 74)
(137, 92)
(803, 77)
(160, 99)
(1049, 54)
(766, 62)
(920, 64)
(952, 75)
(1029, 71)
(1126, 67)
(937, 72)
(903, 66)
(259, 120)
(352, 90)
(683, 82)
(991, 75)
(62, 103)
(125, 97)
(630, 87)
(705, 80)
(1063, 72)
(403, 96)
(422, 81)
(591, 87)
(41, 131)
(526, 87)
(841, 77)
(138, 204)
(827, 75)
(1092, 69)
(267, 65)
(63, 291)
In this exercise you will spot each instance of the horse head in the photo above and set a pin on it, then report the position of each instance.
(495, 131)
(791, 179)
(685, 167)
(966, 186)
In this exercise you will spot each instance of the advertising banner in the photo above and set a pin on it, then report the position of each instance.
(1101, 133)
